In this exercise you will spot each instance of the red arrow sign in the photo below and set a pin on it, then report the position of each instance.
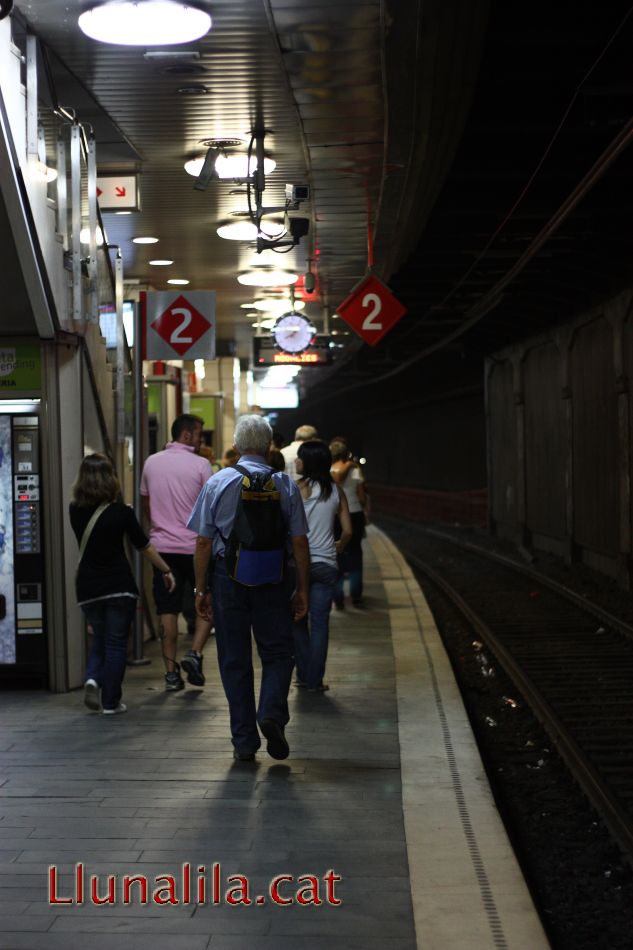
(181, 325)
(99, 192)
(120, 192)
(371, 310)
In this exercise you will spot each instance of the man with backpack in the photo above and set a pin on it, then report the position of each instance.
(251, 523)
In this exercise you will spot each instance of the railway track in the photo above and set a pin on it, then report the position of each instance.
(571, 660)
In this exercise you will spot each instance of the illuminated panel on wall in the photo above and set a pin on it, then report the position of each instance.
(265, 353)
(7, 582)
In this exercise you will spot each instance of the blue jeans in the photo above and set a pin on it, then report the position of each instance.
(110, 620)
(350, 562)
(311, 635)
(267, 610)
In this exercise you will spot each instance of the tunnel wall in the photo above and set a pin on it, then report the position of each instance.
(559, 440)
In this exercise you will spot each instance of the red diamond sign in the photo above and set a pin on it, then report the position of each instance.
(371, 310)
(181, 326)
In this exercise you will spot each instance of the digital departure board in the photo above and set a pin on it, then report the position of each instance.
(265, 353)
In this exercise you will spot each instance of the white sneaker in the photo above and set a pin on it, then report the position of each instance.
(92, 695)
(121, 708)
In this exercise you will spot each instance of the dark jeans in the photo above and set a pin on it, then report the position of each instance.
(267, 610)
(311, 635)
(110, 620)
(350, 562)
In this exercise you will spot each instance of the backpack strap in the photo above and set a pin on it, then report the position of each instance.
(88, 530)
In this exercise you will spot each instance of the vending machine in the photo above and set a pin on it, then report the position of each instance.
(23, 646)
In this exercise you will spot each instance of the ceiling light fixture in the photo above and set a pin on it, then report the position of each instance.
(161, 263)
(145, 240)
(267, 278)
(229, 166)
(84, 236)
(177, 280)
(144, 23)
(247, 231)
(275, 305)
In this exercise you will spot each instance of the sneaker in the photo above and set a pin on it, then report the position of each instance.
(243, 756)
(92, 695)
(121, 708)
(277, 747)
(192, 665)
(174, 681)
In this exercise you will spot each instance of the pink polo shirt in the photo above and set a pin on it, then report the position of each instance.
(173, 480)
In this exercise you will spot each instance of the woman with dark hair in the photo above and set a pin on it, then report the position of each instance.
(348, 476)
(106, 590)
(323, 502)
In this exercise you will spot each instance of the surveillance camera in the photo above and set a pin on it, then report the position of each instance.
(296, 193)
(309, 282)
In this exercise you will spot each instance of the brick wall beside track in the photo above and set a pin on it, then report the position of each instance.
(463, 507)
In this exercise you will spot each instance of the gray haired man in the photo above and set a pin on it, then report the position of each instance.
(235, 609)
(303, 434)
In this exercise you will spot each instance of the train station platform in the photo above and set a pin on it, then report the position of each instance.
(379, 832)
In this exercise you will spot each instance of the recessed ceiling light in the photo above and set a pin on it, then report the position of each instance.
(176, 280)
(145, 240)
(161, 263)
(123, 212)
(144, 23)
(268, 278)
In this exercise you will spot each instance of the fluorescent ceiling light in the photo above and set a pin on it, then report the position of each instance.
(144, 23)
(161, 263)
(268, 278)
(177, 280)
(123, 212)
(274, 305)
(84, 236)
(145, 240)
(230, 166)
(247, 231)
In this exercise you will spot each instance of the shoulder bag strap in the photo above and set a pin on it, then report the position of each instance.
(88, 529)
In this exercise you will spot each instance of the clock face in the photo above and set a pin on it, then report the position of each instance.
(293, 333)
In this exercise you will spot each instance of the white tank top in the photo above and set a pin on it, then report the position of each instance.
(321, 515)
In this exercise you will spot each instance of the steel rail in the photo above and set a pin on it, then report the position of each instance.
(588, 606)
(616, 818)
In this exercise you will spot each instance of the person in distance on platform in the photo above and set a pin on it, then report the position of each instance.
(106, 590)
(323, 502)
(347, 473)
(289, 453)
(170, 483)
(266, 608)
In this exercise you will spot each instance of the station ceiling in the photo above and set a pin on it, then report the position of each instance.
(488, 141)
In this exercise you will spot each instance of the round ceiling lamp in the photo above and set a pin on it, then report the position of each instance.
(268, 278)
(161, 263)
(144, 240)
(247, 231)
(230, 166)
(178, 281)
(84, 236)
(144, 23)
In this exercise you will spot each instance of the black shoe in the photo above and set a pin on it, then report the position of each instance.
(277, 747)
(359, 605)
(192, 665)
(338, 606)
(243, 756)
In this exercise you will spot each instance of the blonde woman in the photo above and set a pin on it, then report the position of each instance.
(106, 590)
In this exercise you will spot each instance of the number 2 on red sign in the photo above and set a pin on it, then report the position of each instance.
(186, 320)
(373, 301)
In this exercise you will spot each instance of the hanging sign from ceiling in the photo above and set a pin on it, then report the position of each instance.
(118, 193)
(266, 353)
(180, 326)
(371, 310)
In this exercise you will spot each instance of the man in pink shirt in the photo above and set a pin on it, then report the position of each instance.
(170, 485)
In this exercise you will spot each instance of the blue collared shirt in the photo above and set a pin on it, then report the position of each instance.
(213, 513)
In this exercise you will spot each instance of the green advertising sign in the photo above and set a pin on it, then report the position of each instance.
(20, 367)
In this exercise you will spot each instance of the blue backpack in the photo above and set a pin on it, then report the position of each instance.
(255, 552)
